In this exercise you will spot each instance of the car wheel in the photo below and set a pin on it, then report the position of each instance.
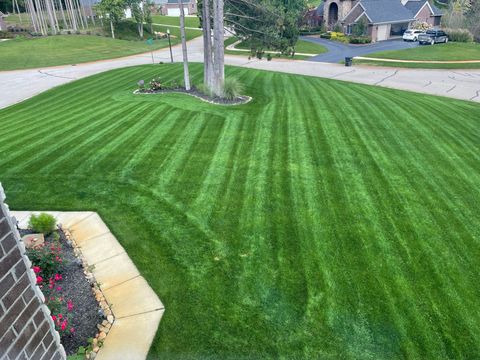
(432, 42)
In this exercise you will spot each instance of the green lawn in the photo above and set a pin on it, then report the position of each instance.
(301, 47)
(440, 52)
(190, 21)
(323, 220)
(22, 53)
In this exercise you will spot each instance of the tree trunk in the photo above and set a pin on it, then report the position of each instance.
(207, 47)
(112, 29)
(184, 46)
(63, 14)
(53, 26)
(33, 16)
(18, 11)
(219, 51)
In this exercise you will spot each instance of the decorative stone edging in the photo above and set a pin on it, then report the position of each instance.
(135, 308)
(105, 326)
(247, 98)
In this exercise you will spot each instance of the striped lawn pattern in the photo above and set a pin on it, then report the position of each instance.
(322, 220)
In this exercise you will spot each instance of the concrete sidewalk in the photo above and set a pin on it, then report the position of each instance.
(18, 85)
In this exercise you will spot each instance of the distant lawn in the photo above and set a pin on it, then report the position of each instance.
(302, 47)
(439, 52)
(22, 53)
(190, 21)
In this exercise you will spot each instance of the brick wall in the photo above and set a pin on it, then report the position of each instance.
(26, 328)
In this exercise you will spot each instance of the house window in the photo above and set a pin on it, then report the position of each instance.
(349, 29)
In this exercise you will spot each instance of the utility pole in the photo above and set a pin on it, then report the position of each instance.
(170, 45)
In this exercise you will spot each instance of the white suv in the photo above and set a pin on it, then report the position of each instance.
(412, 34)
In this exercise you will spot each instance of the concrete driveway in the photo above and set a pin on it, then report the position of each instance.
(338, 51)
(18, 85)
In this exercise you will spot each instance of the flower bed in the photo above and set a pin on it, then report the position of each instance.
(156, 86)
(62, 278)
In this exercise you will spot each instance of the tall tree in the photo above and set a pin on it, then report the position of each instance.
(186, 73)
(137, 6)
(114, 10)
(218, 51)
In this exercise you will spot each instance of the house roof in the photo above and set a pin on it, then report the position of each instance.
(320, 8)
(386, 11)
(416, 5)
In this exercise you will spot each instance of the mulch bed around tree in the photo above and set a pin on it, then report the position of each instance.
(239, 100)
(86, 313)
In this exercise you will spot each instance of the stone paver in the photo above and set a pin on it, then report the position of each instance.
(136, 307)
(123, 343)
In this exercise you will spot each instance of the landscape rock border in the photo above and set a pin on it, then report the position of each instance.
(240, 100)
(135, 309)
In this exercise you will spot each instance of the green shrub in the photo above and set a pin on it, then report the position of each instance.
(360, 39)
(326, 35)
(232, 88)
(42, 223)
(338, 27)
(459, 35)
(269, 57)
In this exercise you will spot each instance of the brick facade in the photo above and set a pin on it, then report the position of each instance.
(26, 328)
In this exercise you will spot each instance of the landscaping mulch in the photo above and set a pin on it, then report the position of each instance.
(239, 100)
(86, 313)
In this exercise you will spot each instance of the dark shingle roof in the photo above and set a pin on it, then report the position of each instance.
(380, 11)
(320, 9)
(415, 5)
(436, 11)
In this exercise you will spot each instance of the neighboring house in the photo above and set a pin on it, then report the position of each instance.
(172, 8)
(313, 17)
(385, 18)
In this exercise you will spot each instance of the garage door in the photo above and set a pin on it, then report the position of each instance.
(176, 11)
(383, 32)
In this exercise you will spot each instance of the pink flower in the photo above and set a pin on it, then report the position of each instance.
(69, 305)
(58, 277)
(39, 279)
(60, 316)
(36, 269)
(64, 325)
(72, 330)
(50, 286)
(59, 288)
(54, 318)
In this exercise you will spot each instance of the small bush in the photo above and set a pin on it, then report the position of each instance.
(269, 57)
(360, 39)
(259, 55)
(338, 27)
(69, 32)
(232, 88)
(326, 35)
(156, 84)
(42, 223)
(459, 35)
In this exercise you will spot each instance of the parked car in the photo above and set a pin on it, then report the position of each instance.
(432, 37)
(412, 34)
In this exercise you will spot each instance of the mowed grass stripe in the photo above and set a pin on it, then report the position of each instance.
(321, 220)
(453, 234)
